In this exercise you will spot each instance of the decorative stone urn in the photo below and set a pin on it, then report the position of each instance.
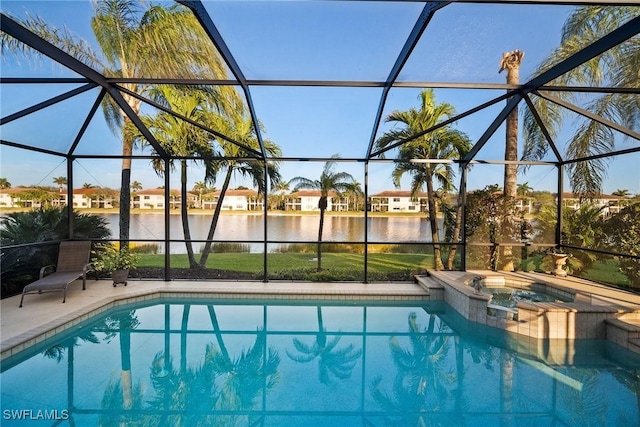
(559, 260)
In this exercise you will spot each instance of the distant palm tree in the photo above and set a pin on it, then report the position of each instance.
(136, 186)
(355, 195)
(4, 183)
(621, 193)
(617, 67)
(200, 187)
(60, 181)
(278, 196)
(87, 185)
(442, 143)
(524, 189)
(329, 181)
(339, 362)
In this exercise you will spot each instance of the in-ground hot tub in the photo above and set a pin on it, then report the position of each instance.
(505, 296)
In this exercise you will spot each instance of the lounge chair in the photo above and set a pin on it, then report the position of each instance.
(73, 262)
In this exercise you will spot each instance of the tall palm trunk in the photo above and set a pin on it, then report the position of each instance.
(511, 62)
(125, 194)
(322, 204)
(214, 220)
(433, 221)
(185, 215)
(125, 180)
(457, 229)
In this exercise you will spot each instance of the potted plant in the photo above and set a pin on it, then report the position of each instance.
(118, 262)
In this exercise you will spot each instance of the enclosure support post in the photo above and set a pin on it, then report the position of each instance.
(463, 188)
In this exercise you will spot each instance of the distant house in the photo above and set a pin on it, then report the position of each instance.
(526, 204)
(234, 200)
(10, 197)
(30, 197)
(152, 198)
(610, 204)
(96, 198)
(397, 201)
(307, 201)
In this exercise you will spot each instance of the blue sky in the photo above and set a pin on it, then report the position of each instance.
(312, 40)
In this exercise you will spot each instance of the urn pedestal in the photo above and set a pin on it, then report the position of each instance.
(559, 260)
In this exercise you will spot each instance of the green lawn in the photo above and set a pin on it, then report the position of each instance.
(606, 271)
(383, 264)
(344, 266)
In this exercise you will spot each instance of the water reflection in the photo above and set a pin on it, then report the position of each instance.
(220, 364)
(332, 360)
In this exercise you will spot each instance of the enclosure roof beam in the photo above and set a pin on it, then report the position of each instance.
(188, 120)
(614, 38)
(412, 40)
(543, 128)
(205, 20)
(36, 42)
(47, 103)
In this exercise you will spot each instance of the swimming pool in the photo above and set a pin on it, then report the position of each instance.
(224, 362)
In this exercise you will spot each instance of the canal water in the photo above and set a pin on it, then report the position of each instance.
(280, 228)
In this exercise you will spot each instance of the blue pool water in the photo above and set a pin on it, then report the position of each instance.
(509, 297)
(231, 363)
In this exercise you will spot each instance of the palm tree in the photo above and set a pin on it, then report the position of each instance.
(524, 189)
(200, 187)
(137, 39)
(339, 362)
(181, 139)
(442, 143)
(241, 129)
(617, 67)
(277, 198)
(621, 192)
(511, 62)
(87, 185)
(136, 186)
(330, 181)
(4, 183)
(355, 195)
(60, 181)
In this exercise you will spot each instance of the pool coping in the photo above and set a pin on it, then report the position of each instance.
(590, 315)
(44, 315)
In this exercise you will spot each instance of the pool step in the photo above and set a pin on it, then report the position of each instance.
(625, 331)
(432, 285)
